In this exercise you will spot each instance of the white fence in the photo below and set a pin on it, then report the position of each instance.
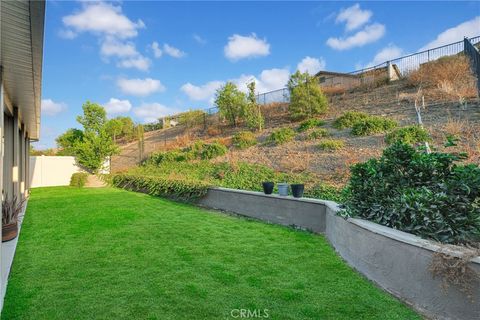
(49, 171)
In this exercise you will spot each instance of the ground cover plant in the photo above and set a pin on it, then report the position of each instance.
(317, 134)
(349, 118)
(429, 195)
(244, 140)
(373, 125)
(310, 124)
(281, 136)
(409, 135)
(331, 144)
(134, 256)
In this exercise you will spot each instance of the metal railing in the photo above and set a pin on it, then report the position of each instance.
(400, 67)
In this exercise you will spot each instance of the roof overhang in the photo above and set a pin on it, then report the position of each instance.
(21, 55)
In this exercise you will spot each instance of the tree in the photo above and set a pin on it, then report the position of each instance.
(66, 141)
(96, 144)
(252, 112)
(306, 96)
(230, 102)
(114, 128)
(94, 117)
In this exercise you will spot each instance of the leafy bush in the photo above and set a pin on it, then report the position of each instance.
(252, 113)
(331, 145)
(199, 150)
(306, 96)
(309, 124)
(408, 135)
(424, 194)
(348, 119)
(281, 136)
(176, 188)
(244, 139)
(326, 192)
(211, 150)
(79, 179)
(373, 125)
(317, 134)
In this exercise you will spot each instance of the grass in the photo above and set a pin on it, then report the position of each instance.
(113, 254)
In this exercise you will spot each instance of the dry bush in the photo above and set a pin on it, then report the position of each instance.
(226, 141)
(181, 141)
(213, 131)
(456, 127)
(451, 75)
(334, 90)
(274, 109)
(295, 162)
(455, 270)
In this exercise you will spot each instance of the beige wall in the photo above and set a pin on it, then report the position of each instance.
(49, 171)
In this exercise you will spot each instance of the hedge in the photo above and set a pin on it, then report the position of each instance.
(174, 188)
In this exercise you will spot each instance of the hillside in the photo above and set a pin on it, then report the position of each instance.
(443, 115)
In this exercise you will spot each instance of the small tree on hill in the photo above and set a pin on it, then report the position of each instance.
(252, 112)
(306, 96)
(230, 102)
(96, 144)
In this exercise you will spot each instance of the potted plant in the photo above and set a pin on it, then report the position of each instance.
(11, 209)
(267, 187)
(297, 190)
(283, 189)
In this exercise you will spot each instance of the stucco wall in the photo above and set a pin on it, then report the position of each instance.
(48, 171)
(397, 261)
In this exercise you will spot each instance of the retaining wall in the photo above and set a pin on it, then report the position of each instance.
(397, 261)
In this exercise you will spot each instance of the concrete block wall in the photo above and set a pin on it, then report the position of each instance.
(396, 261)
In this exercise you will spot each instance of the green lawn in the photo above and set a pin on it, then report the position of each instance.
(113, 254)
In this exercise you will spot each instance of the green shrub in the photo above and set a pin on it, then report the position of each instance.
(424, 194)
(317, 134)
(309, 124)
(348, 119)
(212, 150)
(306, 97)
(78, 179)
(244, 139)
(167, 156)
(183, 189)
(280, 136)
(326, 192)
(331, 145)
(408, 135)
(373, 125)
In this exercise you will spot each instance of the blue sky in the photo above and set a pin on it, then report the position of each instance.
(149, 59)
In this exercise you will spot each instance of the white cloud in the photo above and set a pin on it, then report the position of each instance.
(268, 80)
(157, 51)
(151, 112)
(199, 39)
(369, 34)
(114, 106)
(103, 18)
(388, 53)
(468, 28)
(51, 108)
(140, 87)
(113, 47)
(67, 34)
(140, 62)
(203, 92)
(354, 17)
(172, 51)
(240, 47)
(311, 65)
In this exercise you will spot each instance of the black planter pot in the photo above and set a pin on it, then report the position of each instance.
(268, 187)
(297, 190)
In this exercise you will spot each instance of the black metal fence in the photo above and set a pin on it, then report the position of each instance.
(472, 52)
(389, 70)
